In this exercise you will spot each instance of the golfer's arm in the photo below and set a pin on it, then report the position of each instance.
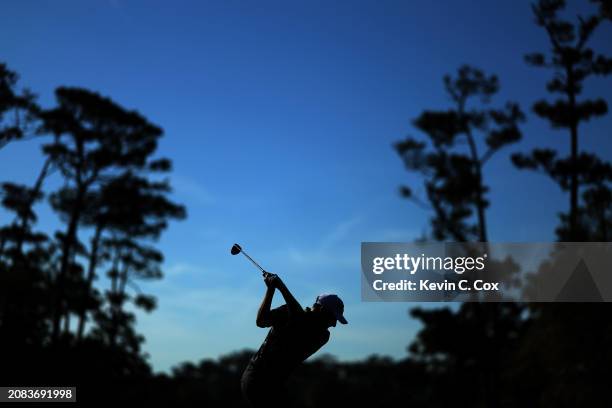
(293, 305)
(263, 314)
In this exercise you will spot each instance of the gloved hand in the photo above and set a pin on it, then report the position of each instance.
(272, 280)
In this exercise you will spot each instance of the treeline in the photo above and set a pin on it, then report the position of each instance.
(112, 202)
(509, 354)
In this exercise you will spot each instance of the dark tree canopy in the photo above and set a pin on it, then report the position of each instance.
(459, 143)
(113, 205)
(18, 110)
(572, 61)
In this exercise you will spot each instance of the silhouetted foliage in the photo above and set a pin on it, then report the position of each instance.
(502, 353)
(454, 180)
(572, 62)
(476, 342)
(18, 110)
(605, 8)
(113, 196)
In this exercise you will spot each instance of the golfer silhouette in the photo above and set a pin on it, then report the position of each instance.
(295, 334)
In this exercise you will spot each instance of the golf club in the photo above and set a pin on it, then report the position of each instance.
(236, 249)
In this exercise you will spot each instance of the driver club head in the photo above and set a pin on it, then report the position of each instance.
(236, 249)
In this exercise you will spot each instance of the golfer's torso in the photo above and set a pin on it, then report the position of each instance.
(286, 346)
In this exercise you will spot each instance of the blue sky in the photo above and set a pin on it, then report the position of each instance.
(280, 119)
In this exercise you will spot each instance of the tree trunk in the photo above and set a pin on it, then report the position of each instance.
(37, 187)
(2, 243)
(91, 273)
(67, 247)
(120, 292)
(574, 185)
(574, 156)
(67, 322)
(480, 205)
(113, 305)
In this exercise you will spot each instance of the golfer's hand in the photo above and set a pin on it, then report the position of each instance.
(272, 280)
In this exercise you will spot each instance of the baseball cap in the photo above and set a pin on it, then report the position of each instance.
(333, 304)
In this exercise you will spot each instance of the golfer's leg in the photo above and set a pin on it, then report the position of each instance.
(254, 390)
(282, 398)
(259, 399)
(260, 395)
(246, 387)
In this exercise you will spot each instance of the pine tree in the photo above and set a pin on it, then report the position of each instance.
(454, 180)
(96, 139)
(572, 62)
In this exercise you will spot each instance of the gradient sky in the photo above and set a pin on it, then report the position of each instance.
(280, 119)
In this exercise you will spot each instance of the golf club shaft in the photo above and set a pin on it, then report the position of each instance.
(255, 263)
